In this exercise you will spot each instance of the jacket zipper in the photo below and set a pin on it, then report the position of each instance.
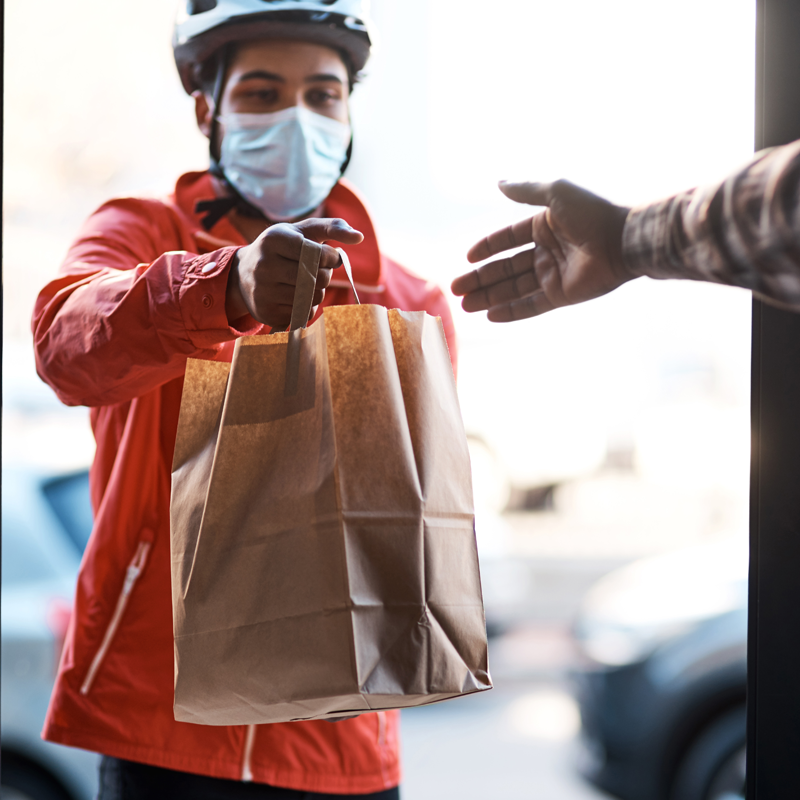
(131, 576)
(247, 773)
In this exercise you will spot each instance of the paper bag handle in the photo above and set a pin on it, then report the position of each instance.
(310, 254)
(348, 271)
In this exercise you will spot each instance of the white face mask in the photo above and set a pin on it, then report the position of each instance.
(284, 163)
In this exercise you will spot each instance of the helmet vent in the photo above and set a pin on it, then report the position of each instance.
(199, 6)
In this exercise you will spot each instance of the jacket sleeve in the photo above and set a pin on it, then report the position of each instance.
(122, 316)
(744, 231)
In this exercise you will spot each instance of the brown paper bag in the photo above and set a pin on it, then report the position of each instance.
(323, 549)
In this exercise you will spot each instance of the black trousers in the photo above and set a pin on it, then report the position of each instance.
(127, 780)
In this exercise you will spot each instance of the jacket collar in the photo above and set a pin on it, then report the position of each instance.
(343, 201)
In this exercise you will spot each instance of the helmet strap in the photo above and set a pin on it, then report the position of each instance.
(218, 208)
(348, 155)
(216, 98)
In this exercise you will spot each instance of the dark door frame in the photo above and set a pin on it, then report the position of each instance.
(773, 690)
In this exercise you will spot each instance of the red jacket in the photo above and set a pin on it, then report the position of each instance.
(142, 289)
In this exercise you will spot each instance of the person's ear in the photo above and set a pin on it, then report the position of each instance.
(203, 112)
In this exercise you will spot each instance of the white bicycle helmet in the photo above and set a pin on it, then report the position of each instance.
(205, 26)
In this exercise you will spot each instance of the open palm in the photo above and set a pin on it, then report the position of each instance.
(577, 254)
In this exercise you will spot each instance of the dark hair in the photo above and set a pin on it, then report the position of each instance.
(205, 73)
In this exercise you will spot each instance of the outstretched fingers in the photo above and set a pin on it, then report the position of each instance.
(516, 235)
(526, 307)
(498, 282)
(528, 192)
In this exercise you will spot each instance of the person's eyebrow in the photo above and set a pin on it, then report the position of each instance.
(323, 76)
(263, 75)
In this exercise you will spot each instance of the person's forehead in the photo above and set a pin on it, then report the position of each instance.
(280, 56)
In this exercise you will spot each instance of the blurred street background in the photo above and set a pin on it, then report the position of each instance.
(600, 435)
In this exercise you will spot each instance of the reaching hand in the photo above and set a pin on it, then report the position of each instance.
(577, 254)
(263, 274)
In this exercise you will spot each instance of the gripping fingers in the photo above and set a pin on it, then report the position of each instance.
(330, 258)
(286, 239)
(284, 271)
(324, 277)
(282, 239)
(276, 315)
(319, 294)
(275, 294)
(335, 229)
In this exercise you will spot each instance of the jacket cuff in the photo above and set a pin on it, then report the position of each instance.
(642, 239)
(655, 242)
(202, 297)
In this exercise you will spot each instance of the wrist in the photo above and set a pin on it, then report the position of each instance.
(620, 265)
(235, 307)
(640, 236)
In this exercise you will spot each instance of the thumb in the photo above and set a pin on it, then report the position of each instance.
(531, 193)
(325, 230)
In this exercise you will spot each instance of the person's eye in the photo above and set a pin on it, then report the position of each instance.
(265, 96)
(322, 97)
(255, 99)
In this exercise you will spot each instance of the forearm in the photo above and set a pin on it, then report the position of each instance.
(742, 232)
(114, 334)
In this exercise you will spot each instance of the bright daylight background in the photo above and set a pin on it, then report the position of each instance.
(600, 433)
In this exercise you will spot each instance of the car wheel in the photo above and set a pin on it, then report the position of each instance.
(24, 781)
(714, 765)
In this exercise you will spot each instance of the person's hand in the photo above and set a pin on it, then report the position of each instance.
(577, 254)
(263, 274)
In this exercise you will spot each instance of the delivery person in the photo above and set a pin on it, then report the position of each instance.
(146, 285)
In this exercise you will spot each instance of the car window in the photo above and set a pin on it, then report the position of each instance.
(69, 498)
(25, 557)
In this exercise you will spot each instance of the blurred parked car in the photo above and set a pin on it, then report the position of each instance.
(46, 522)
(662, 690)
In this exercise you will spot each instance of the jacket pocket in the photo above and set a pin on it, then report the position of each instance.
(131, 576)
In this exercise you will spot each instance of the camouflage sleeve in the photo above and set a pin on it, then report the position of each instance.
(743, 232)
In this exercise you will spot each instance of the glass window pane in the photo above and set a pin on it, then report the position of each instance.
(25, 557)
(69, 498)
